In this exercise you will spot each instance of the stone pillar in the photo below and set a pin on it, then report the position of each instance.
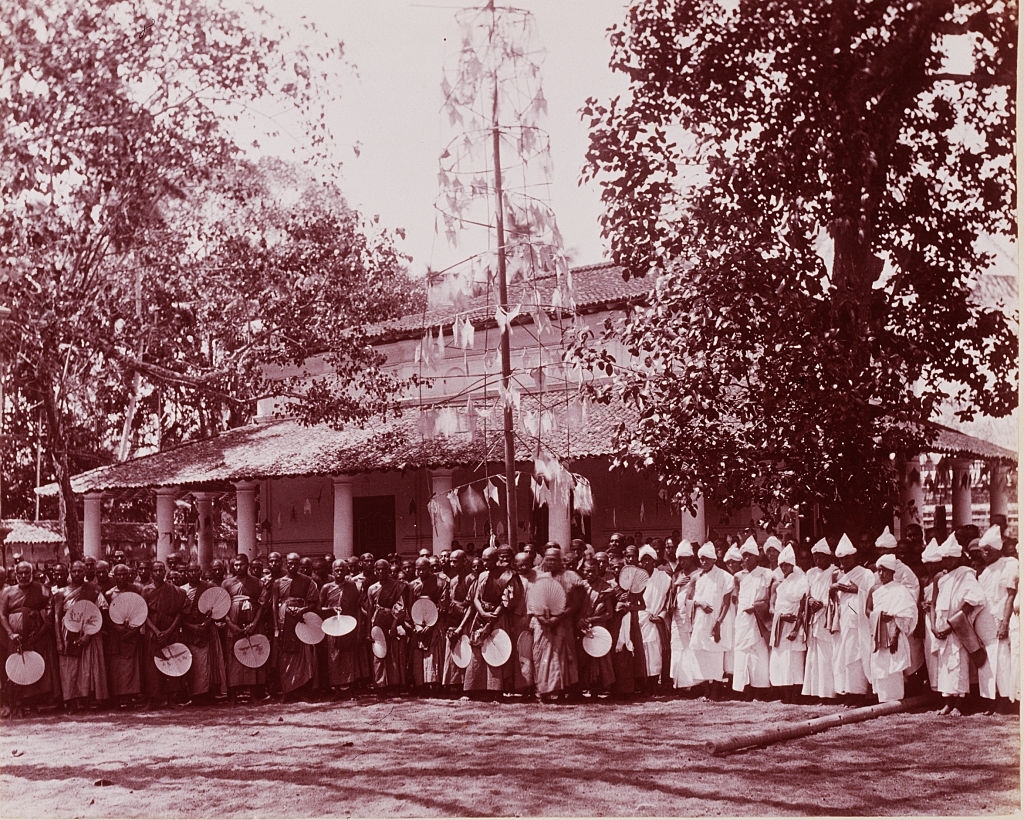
(961, 492)
(92, 527)
(245, 510)
(344, 524)
(443, 523)
(165, 498)
(694, 527)
(998, 498)
(204, 541)
(911, 497)
(559, 523)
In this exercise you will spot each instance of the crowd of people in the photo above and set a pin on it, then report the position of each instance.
(632, 620)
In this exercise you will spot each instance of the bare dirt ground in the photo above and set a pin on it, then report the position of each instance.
(412, 757)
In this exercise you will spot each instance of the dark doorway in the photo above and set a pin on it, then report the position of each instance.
(374, 525)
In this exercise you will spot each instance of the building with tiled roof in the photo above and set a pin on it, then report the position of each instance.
(434, 473)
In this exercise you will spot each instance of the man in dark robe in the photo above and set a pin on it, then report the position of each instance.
(292, 597)
(347, 666)
(245, 619)
(388, 605)
(166, 604)
(122, 644)
(27, 626)
(207, 677)
(83, 670)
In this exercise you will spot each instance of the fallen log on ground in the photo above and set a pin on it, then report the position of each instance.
(810, 727)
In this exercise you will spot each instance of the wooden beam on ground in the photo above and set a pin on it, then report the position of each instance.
(812, 726)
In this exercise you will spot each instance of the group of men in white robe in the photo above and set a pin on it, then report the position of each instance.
(838, 630)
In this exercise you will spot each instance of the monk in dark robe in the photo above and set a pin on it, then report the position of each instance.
(460, 583)
(596, 674)
(346, 664)
(245, 618)
(83, 669)
(207, 677)
(25, 616)
(122, 643)
(498, 594)
(291, 597)
(163, 627)
(428, 642)
(388, 603)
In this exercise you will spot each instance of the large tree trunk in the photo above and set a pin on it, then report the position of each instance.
(62, 470)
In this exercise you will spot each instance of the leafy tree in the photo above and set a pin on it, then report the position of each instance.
(139, 292)
(811, 183)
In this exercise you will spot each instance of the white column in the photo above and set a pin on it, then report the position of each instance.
(165, 498)
(694, 527)
(92, 527)
(961, 492)
(559, 523)
(204, 540)
(998, 498)
(344, 524)
(443, 524)
(245, 513)
(911, 497)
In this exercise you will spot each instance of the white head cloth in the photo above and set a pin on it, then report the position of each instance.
(845, 547)
(886, 541)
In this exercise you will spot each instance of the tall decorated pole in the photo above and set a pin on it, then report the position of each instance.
(492, 208)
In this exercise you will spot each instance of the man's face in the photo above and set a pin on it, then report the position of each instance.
(122, 576)
(145, 570)
(240, 567)
(305, 567)
(707, 563)
(848, 562)
(821, 560)
(23, 573)
(102, 570)
(159, 572)
(339, 570)
(218, 571)
(631, 556)
(382, 569)
(885, 575)
(275, 563)
(292, 563)
(749, 561)
(77, 573)
(193, 574)
(60, 574)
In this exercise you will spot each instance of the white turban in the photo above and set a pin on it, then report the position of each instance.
(992, 538)
(684, 550)
(733, 554)
(649, 551)
(821, 548)
(750, 547)
(886, 541)
(772, 543)
(931, 553)
(950, 548)
(787, 556)
(707, 550)
(887, 561)
(845, 547)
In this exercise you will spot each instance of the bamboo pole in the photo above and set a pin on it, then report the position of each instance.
(812, 726)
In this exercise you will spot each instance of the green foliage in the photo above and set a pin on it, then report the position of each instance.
(808, 181)
(147, 268)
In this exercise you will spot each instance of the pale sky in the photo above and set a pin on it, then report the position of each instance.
(393, 108)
